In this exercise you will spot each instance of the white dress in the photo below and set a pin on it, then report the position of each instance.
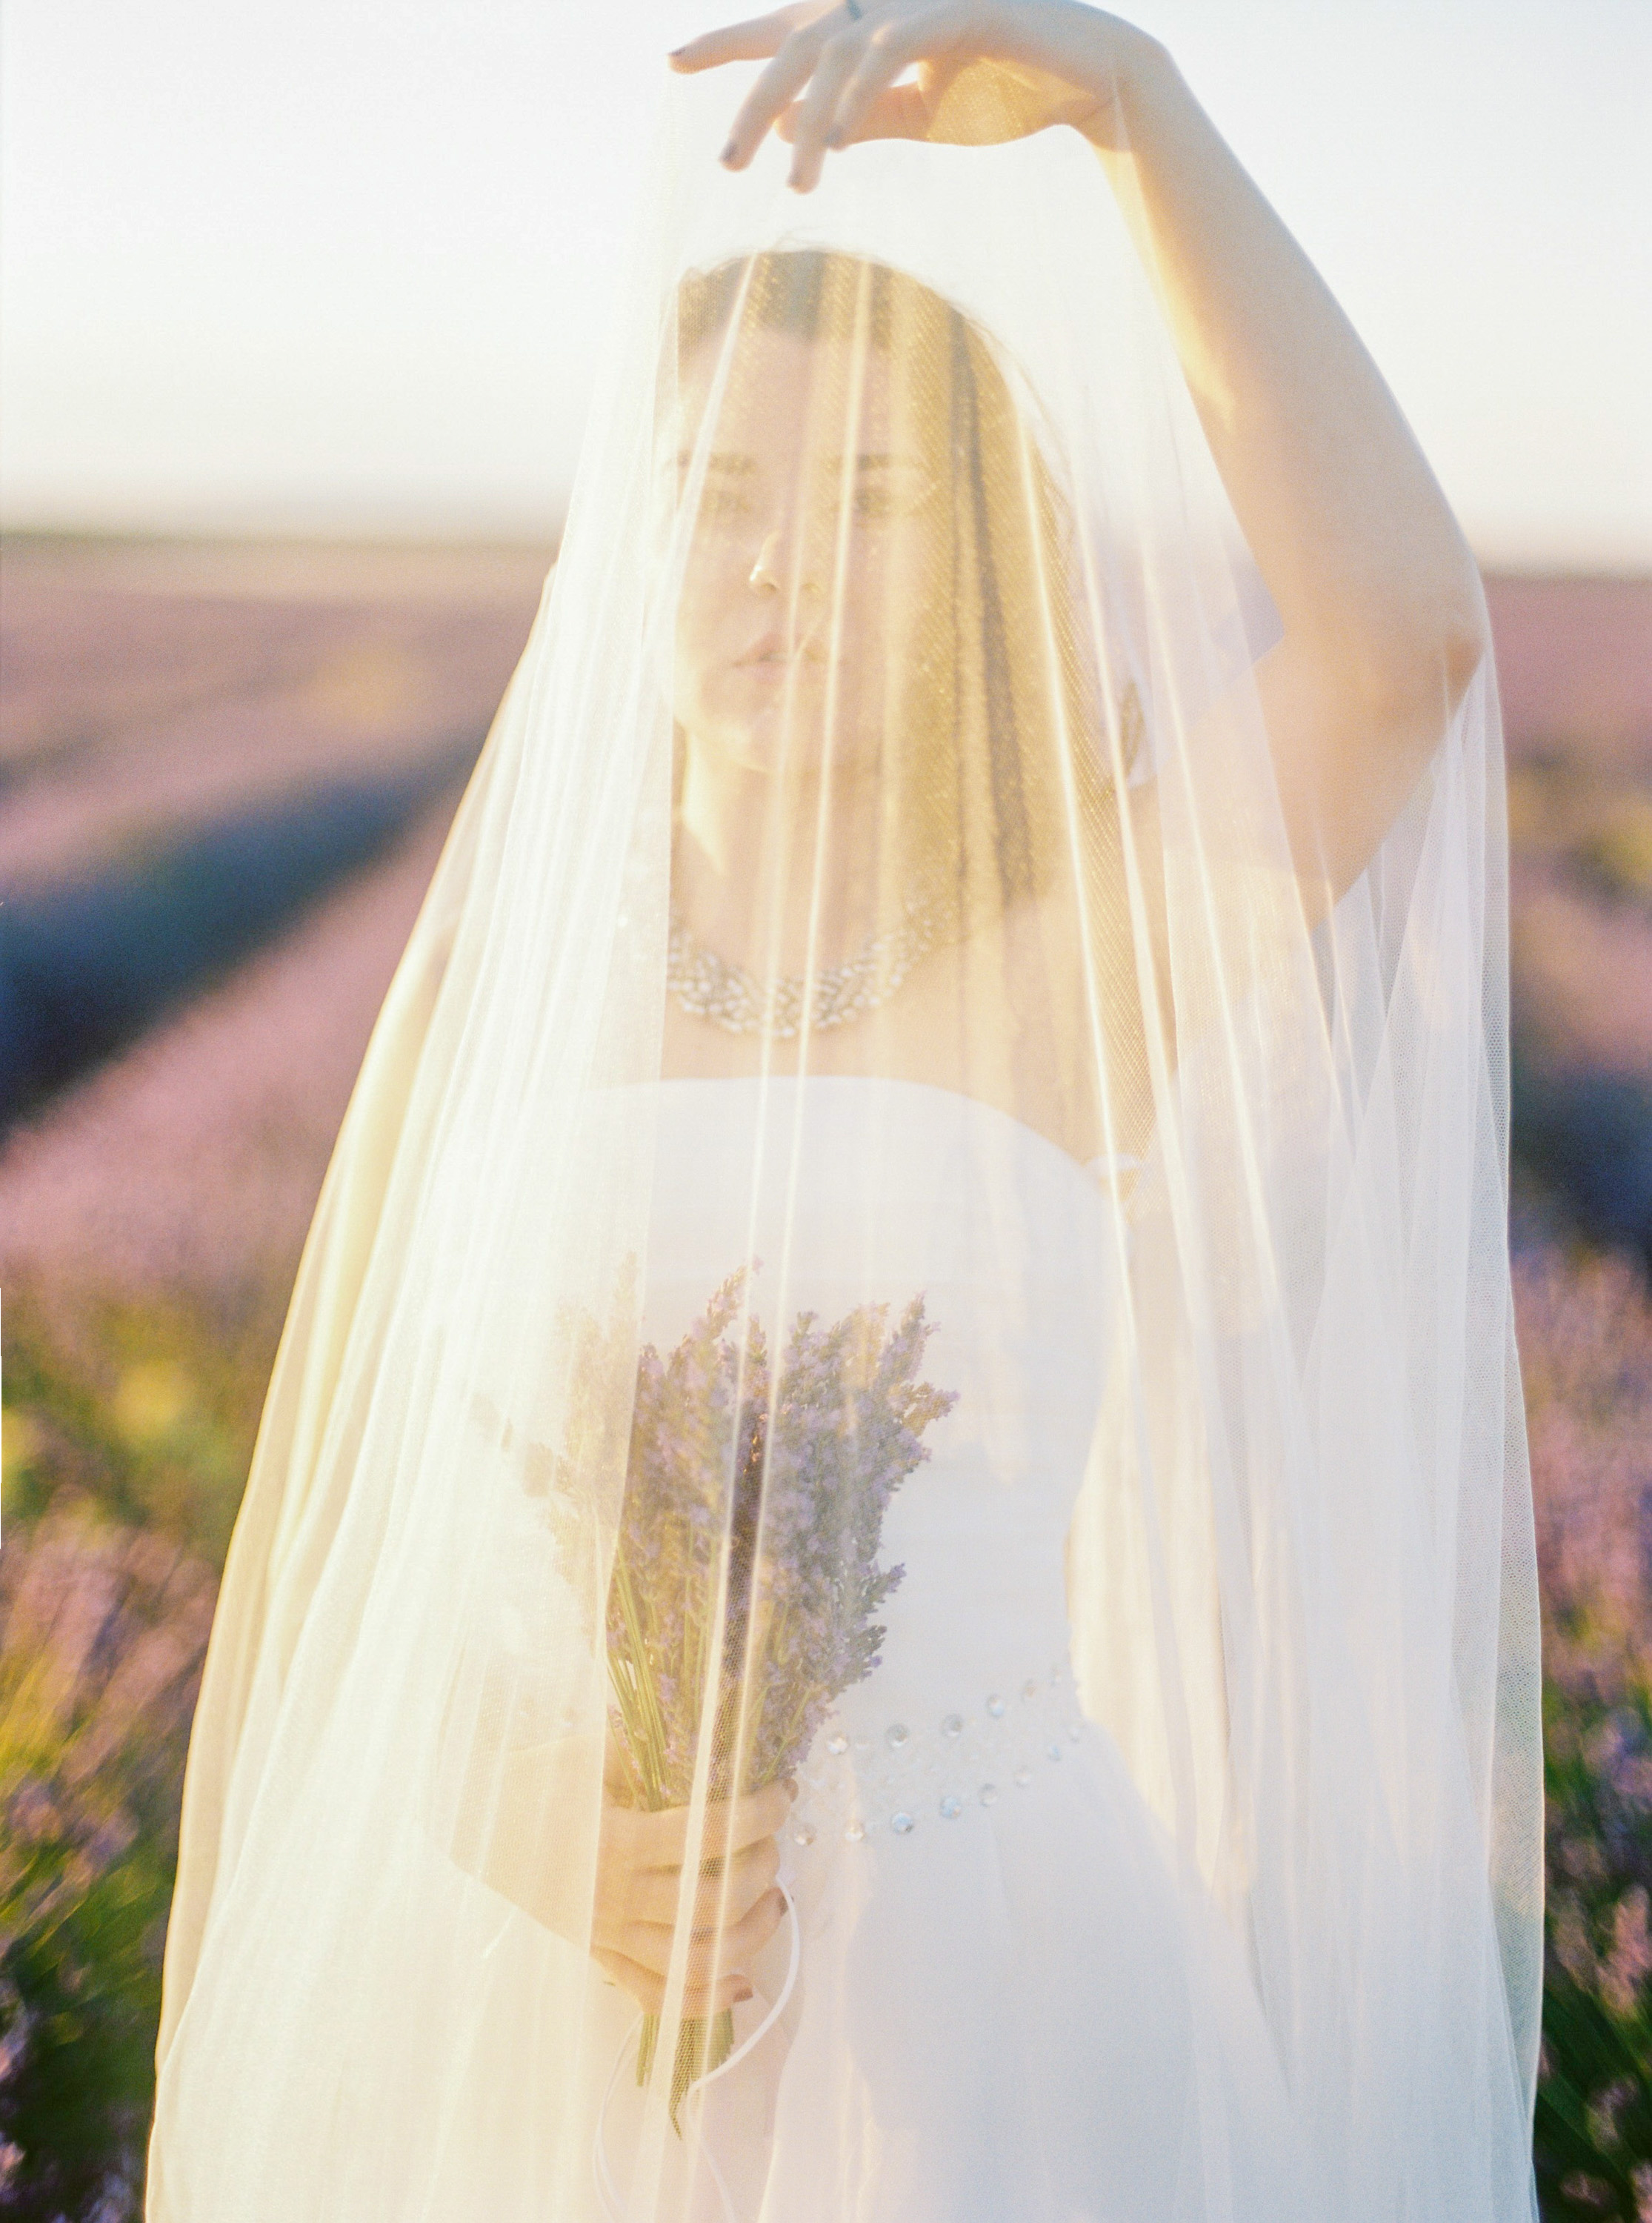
(992, 2014)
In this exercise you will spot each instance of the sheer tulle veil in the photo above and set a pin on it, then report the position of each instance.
(1018, 768)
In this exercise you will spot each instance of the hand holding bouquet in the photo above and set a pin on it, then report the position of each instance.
(745, 1580)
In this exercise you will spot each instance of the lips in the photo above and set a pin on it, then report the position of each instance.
(774, 652)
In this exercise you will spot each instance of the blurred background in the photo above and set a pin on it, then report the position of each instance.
(299, 308)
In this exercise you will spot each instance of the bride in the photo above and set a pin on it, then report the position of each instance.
(888, 1573)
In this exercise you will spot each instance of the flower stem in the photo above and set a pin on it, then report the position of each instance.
(703, 2044)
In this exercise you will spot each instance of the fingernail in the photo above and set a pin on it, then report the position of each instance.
(791, 1785)
(740, 1998)
(835, 136)
(727, 154)
(672, 55)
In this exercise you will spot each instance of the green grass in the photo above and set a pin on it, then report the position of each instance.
(147, 1411)
(1593, 2132)
(126, 1444)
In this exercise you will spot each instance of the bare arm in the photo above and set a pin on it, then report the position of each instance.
(1377, 592)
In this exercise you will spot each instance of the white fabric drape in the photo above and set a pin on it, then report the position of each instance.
(1270, 1341)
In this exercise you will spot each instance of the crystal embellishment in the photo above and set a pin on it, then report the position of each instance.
(860, 1782)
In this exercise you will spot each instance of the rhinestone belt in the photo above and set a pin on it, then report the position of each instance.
(855, 1784)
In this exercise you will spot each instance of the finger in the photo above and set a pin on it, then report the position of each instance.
(755, 39)
(655, 1894)
(775, 89)
(758, 1814)
(730, 1897)
(651, 1944)
(634, 1838)
(892, 48)
(900, 113)
(648, 1989)
(811, 118)
(754, 1928)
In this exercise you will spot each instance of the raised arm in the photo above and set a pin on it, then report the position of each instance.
(1377, 592)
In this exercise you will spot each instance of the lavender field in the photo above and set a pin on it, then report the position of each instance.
(224, 776)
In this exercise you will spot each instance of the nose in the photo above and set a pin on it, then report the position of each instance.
(765, 575)
(781, 562)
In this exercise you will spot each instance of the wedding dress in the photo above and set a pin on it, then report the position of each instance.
(879, 889)
(990, 2014)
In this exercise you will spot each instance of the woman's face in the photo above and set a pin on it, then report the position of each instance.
(816, 528)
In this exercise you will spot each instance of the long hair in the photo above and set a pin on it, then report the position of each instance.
(989, 690)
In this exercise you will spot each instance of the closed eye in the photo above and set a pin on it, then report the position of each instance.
(730, 480)
(889, 485)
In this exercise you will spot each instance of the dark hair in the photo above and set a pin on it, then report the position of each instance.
(995, 673)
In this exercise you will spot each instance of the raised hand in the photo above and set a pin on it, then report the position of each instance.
(1383, 618)
(980, 71)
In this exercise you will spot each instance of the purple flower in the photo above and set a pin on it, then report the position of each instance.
(746, 1575)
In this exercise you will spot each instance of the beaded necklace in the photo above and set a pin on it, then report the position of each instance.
(708, 987)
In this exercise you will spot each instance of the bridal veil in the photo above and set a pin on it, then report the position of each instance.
(891, 715)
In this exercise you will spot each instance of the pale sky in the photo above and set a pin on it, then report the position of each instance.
(336, 265)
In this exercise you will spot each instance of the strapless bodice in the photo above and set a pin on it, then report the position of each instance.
(847, 1191)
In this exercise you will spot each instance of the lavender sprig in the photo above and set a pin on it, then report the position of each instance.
(745, 1571)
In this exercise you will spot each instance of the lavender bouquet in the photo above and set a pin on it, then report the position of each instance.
(745, 1575)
